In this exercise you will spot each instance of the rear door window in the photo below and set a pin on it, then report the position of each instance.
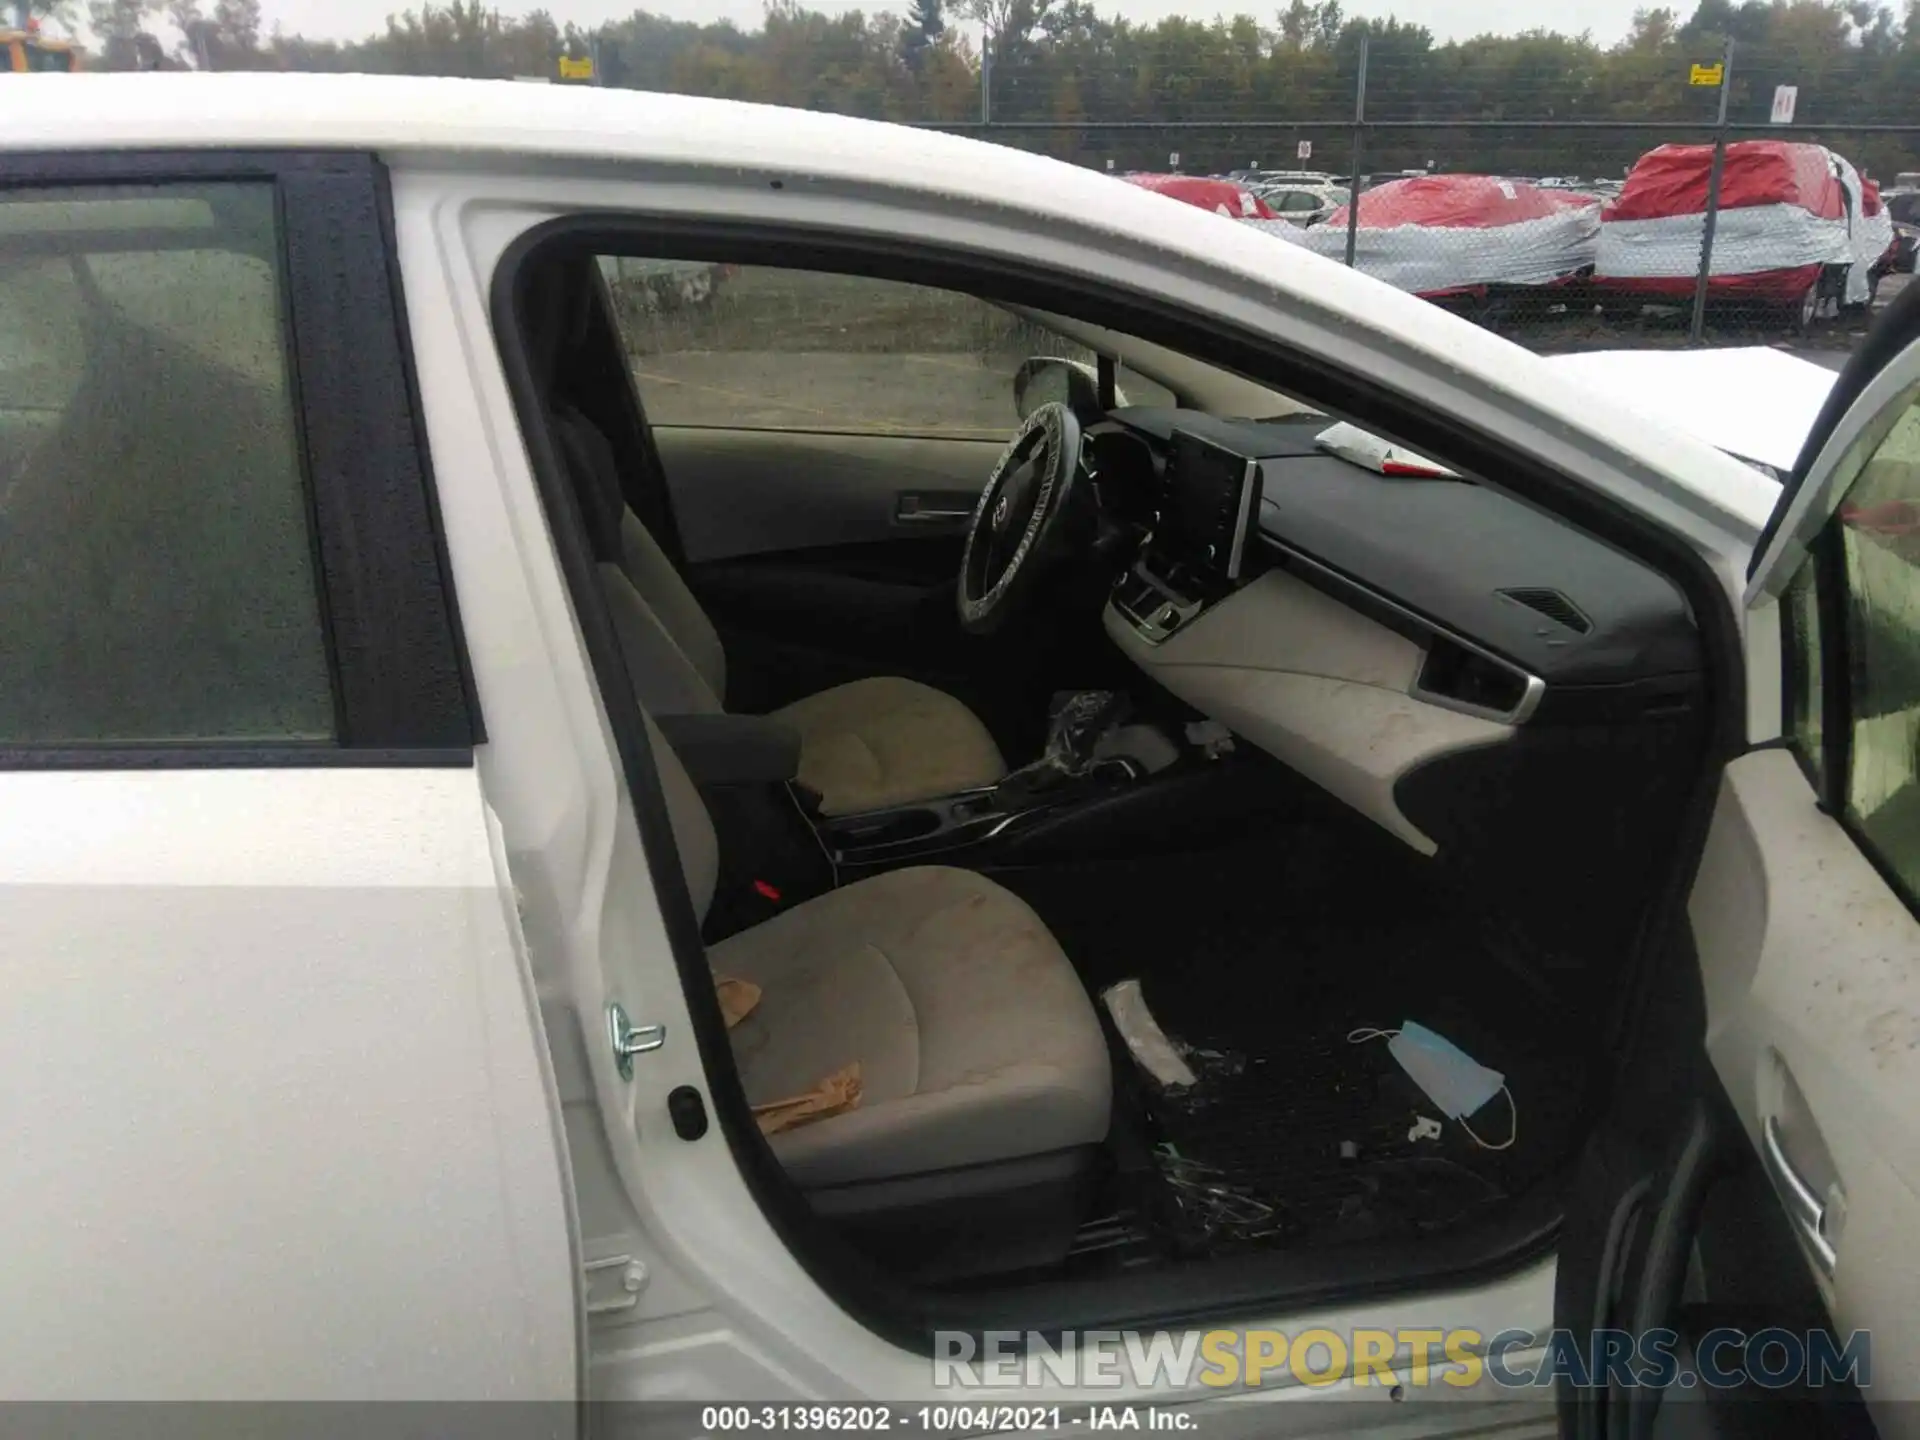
(157, 574)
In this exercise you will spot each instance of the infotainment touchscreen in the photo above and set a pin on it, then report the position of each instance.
(1208, 508)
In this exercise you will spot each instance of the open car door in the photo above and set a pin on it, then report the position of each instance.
(1742, 1254)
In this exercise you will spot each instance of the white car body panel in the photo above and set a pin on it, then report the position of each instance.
(404, 1067)
(1810, 958)
(279, 1128)
(721, 157)
(1751, 401)
(1812, 969)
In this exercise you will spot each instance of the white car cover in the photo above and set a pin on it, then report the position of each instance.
(1434, 234)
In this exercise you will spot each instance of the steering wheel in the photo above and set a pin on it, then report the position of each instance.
(1018, 528)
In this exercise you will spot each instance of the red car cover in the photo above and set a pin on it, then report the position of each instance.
(1222, 196)
(1476, 202)
(1442, 235)
(1672, 180)
(1784, 215)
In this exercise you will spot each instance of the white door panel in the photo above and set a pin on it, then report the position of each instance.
(1812, 973)
(270, 1062)
(746, 492)
(1809, 954)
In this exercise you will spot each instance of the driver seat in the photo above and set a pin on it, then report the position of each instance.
(867, 745)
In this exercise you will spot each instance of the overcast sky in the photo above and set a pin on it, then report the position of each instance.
(1448, 19)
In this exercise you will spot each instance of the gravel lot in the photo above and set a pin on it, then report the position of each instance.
(785, 350)
(812, 351)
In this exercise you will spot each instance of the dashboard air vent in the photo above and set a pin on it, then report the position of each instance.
(1553, 605)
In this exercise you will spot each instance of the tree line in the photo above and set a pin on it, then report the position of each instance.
(1061, 68)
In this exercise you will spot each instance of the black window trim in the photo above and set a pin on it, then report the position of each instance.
(1829, 770)
(1820, 764)
(403, 687)
(1839, 680)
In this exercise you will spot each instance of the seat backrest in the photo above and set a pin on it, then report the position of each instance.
(693, 833)
(680, 666)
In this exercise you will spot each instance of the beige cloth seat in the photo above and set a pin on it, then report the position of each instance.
(976, 1042)
(975, 1039)
(876, 743)
(868, 745)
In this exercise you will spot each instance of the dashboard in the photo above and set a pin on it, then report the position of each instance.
(1376, 632)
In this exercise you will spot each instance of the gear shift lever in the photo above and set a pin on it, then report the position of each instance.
(1076, 720)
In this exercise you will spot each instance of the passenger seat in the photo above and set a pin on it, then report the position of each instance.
(869, 745)
(986, 1077)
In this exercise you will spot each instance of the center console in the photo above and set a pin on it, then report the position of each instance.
(1198, 548)
(1104, 786)
(1089, 754)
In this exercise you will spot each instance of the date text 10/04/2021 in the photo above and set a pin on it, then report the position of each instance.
(942, 1420)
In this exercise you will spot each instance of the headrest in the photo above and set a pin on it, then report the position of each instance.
(557, 307)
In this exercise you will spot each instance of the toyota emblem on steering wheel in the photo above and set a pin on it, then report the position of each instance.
(1001, 511)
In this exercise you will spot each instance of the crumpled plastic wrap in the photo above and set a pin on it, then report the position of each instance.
(1152, 1050)
(1075, 720)
(1211, 1206)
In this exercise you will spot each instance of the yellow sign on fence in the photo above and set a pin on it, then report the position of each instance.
(571, 69)
(1700, 75)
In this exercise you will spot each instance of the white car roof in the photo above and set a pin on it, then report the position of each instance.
(1751, 401)
(544, 126)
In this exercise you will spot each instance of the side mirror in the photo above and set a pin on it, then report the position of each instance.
(1046, 379)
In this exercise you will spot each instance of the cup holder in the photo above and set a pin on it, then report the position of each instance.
(894, 827)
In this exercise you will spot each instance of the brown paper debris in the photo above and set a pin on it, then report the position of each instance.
(737, 998)
(835, 1095)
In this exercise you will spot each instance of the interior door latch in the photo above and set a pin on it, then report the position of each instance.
(1807, 1210)
(629, 1040)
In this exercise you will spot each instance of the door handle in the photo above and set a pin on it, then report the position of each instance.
(913, 509)
(629, 1040)
(1806, 1210)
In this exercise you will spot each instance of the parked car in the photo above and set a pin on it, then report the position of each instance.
(530, 877)
(1904, 207)
(1286, 177)
(1223, 197)
(1798, 233)
(1387, 177)
(1460, 238)
(1301, 204)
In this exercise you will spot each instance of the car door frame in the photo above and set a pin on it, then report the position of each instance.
(1710, 1213)
(1617, 483)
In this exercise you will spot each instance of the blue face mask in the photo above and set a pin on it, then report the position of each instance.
(1455, 1082)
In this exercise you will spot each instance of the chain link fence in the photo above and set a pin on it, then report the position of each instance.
(1717, 213)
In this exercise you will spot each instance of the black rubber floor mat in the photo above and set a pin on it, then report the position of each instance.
(1260, 968)
(1316, 1137)
(1312, 1137)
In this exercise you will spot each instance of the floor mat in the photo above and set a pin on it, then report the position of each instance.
(1259, 962)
